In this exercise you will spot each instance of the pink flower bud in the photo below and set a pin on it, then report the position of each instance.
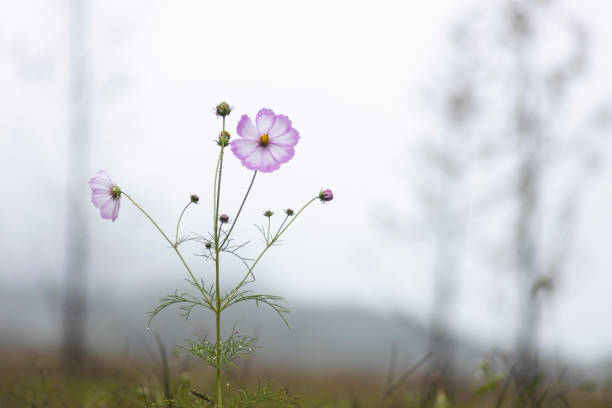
(326, 195)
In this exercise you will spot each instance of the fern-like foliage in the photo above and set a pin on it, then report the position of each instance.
(232, 348)
(273, 301)
(263, 394)
(186, 301)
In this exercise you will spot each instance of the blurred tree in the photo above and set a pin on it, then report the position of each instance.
(79, 111)
(443, 162)
(539, 82)
(533, 55)
(446, 158)
(504, 108)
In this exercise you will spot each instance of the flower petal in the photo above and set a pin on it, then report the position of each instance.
(99, 196)
(268, 163)
(247, 129)
(288, 139)
(115, 213)
(243, 147)
(281, 153)
(265, 120)
(100, 180)
(253, 160)
(261, 160)
(109, 209)
(280, 127)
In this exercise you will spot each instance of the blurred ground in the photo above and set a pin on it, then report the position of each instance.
(34, 378)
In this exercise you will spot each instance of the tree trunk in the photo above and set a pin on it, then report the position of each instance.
(75, 288)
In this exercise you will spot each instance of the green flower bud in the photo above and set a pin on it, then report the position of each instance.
(223, 109)
(289, 212)
(224, 138)
(195, 198)
(268, 213)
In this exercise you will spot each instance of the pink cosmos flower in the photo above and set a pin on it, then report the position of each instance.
(105, 195)
(268, 145)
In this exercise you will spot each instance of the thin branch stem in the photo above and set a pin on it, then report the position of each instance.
(281, 226)
(215, 201)
(294, 218)
(239, 210)
(195, 281)
(179, 222)
(276, 237)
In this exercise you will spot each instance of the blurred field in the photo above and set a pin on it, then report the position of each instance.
(31, 378)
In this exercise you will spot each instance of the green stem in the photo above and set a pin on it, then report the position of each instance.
(296, 215)
(195, 281)
(281, 226)
(179, 222)
(276, 237)
(215, 209)
(239, 210)
(218, 353)
(216, 196)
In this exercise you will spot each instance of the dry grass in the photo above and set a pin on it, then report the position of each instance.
(37, 379)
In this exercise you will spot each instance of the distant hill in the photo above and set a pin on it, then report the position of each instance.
(319, 338)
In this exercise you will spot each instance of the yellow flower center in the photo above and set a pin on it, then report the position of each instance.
(264, 139)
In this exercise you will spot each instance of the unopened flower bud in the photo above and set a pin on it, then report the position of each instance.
(223, 109)
(208, 245)
(289, 212)
(224, 138)
(195, 198)
(224, 218)
(268, 213)
(326, 195)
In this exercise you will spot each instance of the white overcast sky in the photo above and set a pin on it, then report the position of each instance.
(348, 74)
